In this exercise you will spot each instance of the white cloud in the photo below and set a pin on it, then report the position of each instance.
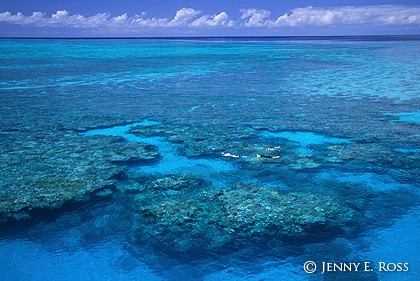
(8, 17)
(59, 15)
(221, 19)
(139, 21)
(255, 17)
(350, 15)
(97, 20)
(188, 17)
(184, 16)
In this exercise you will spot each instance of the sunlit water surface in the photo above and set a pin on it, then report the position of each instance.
(314, 99)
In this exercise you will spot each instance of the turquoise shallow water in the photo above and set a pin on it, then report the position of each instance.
(412, 117)
(304, 139)
(125, 159)
(171, 162)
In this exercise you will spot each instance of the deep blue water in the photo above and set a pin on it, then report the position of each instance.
(96, 136)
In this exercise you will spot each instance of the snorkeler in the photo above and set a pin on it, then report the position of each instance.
(268, 156)
(273, 148)
(230, 155)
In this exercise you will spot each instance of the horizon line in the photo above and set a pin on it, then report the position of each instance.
(405, 36)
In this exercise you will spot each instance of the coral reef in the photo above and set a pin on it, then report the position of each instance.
(44, 170)
(197, 216)
(246, 143)
(374, 155)
(199, 141)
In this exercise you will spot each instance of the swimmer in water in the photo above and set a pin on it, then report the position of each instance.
(273, 148)
(230, 155)
(268, 156)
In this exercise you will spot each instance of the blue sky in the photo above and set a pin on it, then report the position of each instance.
(207, 18)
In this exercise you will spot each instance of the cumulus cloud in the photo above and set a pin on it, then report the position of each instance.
(250, 18)
(255, 17)
(8, 17)
(184, 16)
(350, 15)
(221, 19)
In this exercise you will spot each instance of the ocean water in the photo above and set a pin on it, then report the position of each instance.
(138, 159)
(171, 162)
